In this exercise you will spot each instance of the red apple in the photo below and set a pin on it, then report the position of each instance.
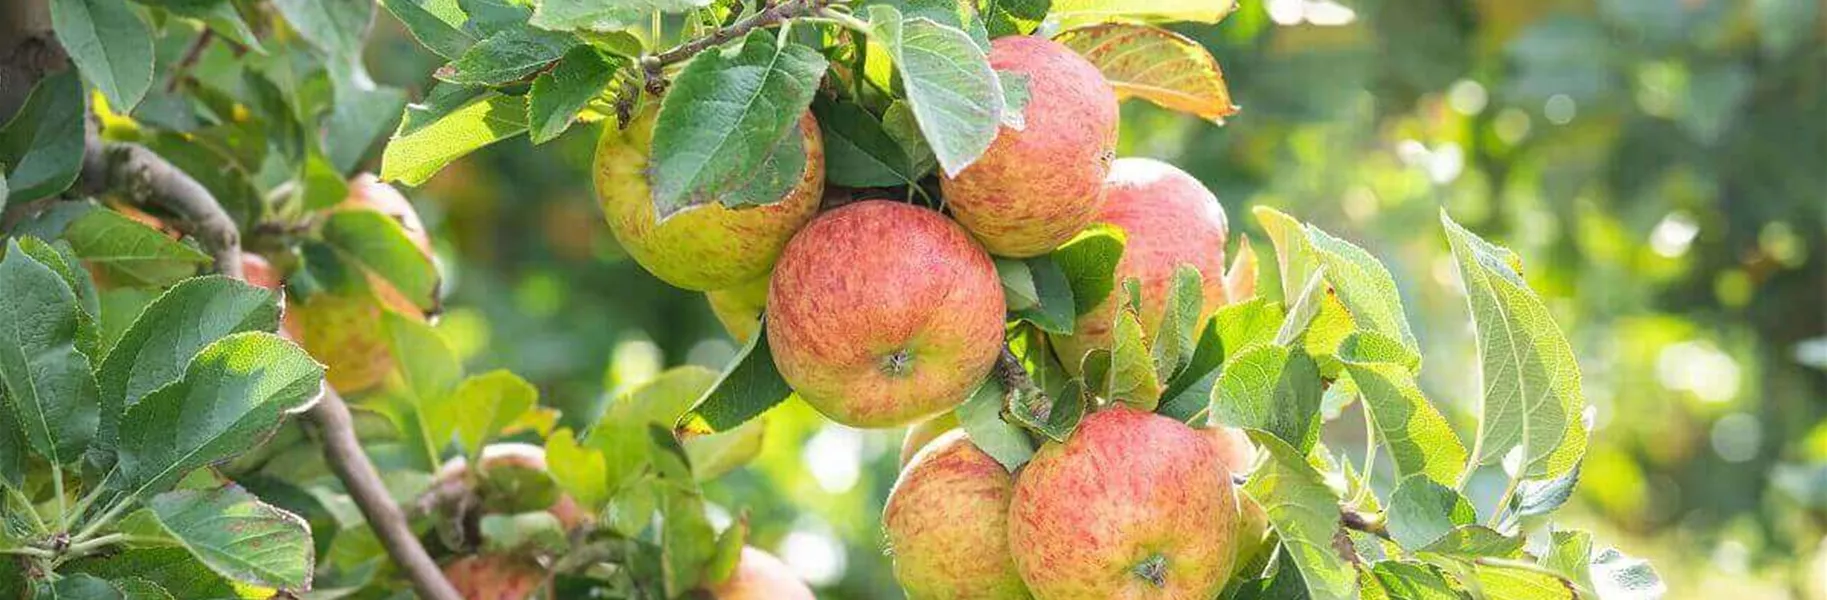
(490, 577)
(1133, 505)
(1170, 220)
(705, 247)
(1038, 186)
(883, 313)
(760, 576)
(947, 524)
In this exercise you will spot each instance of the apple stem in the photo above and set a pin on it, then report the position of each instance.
(1153, 570)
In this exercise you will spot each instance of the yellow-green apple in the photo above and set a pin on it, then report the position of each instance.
(739, 308)
(705, 247)
(1171, 220)
(947, 524)
(1038, 186)
(924, 432)
(1133, 505)
(883, 313)
(760, 576)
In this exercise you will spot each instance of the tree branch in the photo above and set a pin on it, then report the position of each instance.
(144, 178)
(653, 66)
(345, 455)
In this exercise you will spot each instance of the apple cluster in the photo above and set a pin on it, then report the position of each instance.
(882, 313)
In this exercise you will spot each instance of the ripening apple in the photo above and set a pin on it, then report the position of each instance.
(495, 577)
(923, 433)
(705, 247)
(1038, 186)
(947, 525)
(1133, 505)
(1170, 220)
(739, 308)
(884, 313)
(760, 576)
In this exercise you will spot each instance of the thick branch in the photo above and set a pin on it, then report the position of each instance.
(345, 455)
(143, 178)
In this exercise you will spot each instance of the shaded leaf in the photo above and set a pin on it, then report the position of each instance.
(1273, 389)
(130, 252)
(380, 244)
(1422, 511)
(336, 26)
(859, 151)
(238, 536)
(109, 44)
(508, 56)
(1417, 435)
(981, 419)
(748, 387)
(1175, 341)
(41, 147)
(598, 16)
(559, 94)
(441, 36)
(1089, 261)
(47, 381)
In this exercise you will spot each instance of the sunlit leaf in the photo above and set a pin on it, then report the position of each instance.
(1154, 64)
(1304, 511)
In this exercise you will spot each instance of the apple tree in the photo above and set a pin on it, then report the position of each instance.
(911, 212)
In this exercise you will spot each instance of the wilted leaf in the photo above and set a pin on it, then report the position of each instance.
(1154, 64)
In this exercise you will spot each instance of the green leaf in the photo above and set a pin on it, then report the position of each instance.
(1570, 554)
(1471, 542)
(219, 15)
(688, 544)
(954, 94)
(421, 147)
(336, 26)
(1189, 393)
(14, 450)
(900, 123)
(238, 536)
(361, 112)
(443, 37)
(171, 568)
(46, 380)
(1055, 416)
(580, 471)
(598, 16)
(1521, 582)
(1364, 286)
(1014, 17)
(429, 370)
(1015, 96)
(1304, 511)
(1125, 372)
(981, 419)
(1417, 435)
(559, 94)
(1017, 283)
(621, 432)
(1154, 64)
(486, 404)
(725, 112)
(1421, 511)
(130, 252)
(157, 348)
(713, 455)
(1413, 581)
(1532, 397)
(1271, 388)
(1536, 497)
(109, 44)
(527, 533)
(77, 587)
(1055, 308)
(1076, 12)
(1089, 260)
(62, 260)
(134, 588)
(508, 56)
(749, 386)
(379, 243)
(859, 151)
(1175, 341)
(232, 395)
(322, 185)
(41, 148)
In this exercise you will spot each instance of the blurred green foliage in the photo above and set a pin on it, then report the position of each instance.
(1660, 166)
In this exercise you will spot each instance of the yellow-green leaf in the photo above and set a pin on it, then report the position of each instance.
(1154, 64)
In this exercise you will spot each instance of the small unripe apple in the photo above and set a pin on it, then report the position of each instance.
(760, 576)
(739, 308)
(1170, 220)
(1133, 505)
(705, 247)
(491, 577)
(947, 524)
(923, 433)
(1038, 186)
(507, 455)
(883, 313)
(346, 332)
(368, 191)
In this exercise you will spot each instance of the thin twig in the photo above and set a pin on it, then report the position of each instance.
(191, 55)
(653, 66)
(1371, 524)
